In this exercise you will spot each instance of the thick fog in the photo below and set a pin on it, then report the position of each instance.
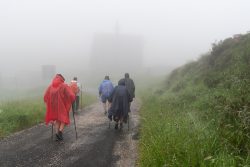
(69, 33)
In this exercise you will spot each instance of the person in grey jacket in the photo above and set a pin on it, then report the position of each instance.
(129, 83)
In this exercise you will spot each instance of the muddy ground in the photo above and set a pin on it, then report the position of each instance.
(97, 145)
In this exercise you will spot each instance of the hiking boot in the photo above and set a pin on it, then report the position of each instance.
(59, 136)
(116, 125)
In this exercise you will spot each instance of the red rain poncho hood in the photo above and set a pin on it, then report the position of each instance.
(58, 80)
(58, 98)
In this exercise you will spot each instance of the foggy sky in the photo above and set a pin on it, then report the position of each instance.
(38, 32)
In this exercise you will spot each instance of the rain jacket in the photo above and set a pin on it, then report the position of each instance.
(120, 99)
(58, 98)
(129, 83)
(106, 88)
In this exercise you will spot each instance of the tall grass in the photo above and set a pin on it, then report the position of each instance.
(200, 116)
(87, 99)
(173, 135)
(19, 114)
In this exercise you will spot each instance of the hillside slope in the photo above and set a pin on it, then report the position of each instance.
(201, 114)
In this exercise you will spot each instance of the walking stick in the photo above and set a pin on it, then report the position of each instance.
(81, 97)
(52, 127)
(128, 121)
(74, 122)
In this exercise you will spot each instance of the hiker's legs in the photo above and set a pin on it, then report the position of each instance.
(104, 107)
(59, 129)
(109, 105)
(129, 104)
(62, 125)
(57, 125)
(116, 124)
(104, 101)
(121, 121)
(77, 103)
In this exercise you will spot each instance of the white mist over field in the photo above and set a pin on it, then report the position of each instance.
(92, 38)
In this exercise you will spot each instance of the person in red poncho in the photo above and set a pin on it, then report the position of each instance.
(58, 98)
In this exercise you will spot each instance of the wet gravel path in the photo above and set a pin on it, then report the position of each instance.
(96, 146)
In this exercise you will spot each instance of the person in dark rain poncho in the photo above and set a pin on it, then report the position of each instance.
(120, 99)
(129, 83)
(58, 98)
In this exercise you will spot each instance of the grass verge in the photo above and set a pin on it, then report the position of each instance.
(177, 135)
(19, 114)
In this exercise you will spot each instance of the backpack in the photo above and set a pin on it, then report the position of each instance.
(73, 86)
(107, 88)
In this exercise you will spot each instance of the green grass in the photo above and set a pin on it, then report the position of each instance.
(19, 114)
(178, 136)
(200, 115)
(88, 99)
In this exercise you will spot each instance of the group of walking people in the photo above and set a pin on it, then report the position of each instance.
(116, 101)
(60, 97)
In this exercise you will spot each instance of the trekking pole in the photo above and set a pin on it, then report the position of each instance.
(128, 121)
(52, 127)
(74, 122)
(81, 97)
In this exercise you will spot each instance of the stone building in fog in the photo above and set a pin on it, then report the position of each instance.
(114, 53)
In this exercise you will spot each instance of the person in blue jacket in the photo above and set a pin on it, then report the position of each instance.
(105, 90)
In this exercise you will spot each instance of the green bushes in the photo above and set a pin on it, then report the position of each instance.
(202, 115)
(181, 135)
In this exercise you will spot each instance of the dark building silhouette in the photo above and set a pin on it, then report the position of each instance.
(116, 53)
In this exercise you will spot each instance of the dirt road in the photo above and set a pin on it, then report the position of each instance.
(96, 146)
